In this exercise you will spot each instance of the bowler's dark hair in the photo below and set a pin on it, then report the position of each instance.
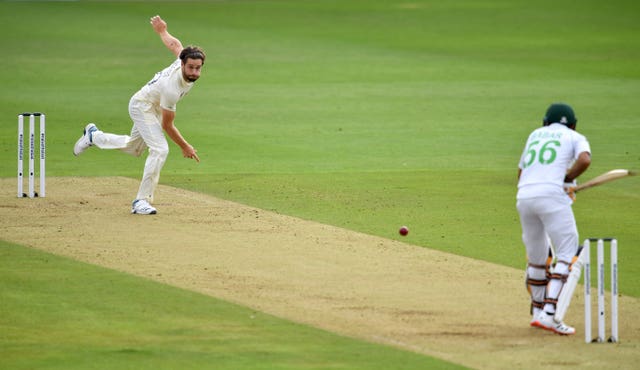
(192, 52)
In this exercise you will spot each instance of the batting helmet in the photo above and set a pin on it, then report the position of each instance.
(560, 113)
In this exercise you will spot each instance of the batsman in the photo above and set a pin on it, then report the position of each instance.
(553, 158)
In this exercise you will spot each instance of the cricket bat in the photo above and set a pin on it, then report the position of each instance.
(604, 178)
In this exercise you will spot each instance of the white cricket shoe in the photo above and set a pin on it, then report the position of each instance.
(142, 207)
(86, 140)
(547, 322)
(534, 317)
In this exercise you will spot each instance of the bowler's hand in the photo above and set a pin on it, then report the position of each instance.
(190, 152)
(158, 24)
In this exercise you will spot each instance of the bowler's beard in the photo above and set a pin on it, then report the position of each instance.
(189, 78)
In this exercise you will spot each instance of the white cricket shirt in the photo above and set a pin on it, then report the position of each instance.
(165, 89)
(549, 153)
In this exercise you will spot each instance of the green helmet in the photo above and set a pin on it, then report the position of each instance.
(560, 113)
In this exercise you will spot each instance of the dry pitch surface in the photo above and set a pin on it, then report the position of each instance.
(455, 308)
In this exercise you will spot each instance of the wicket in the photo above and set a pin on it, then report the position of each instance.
(32, 118)
(601, 291)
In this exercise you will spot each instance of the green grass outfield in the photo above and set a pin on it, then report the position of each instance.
(363, 114)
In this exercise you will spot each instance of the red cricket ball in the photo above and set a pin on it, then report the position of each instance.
(404, 231)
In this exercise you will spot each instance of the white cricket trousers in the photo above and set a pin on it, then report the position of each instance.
(146, 133)
(551, 216)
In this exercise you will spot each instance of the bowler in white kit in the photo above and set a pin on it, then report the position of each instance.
(152, 110)
(553, 158)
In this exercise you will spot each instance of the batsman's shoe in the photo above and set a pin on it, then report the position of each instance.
(547, 322)
(142, 207)
(534, 317)
(86, 140)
